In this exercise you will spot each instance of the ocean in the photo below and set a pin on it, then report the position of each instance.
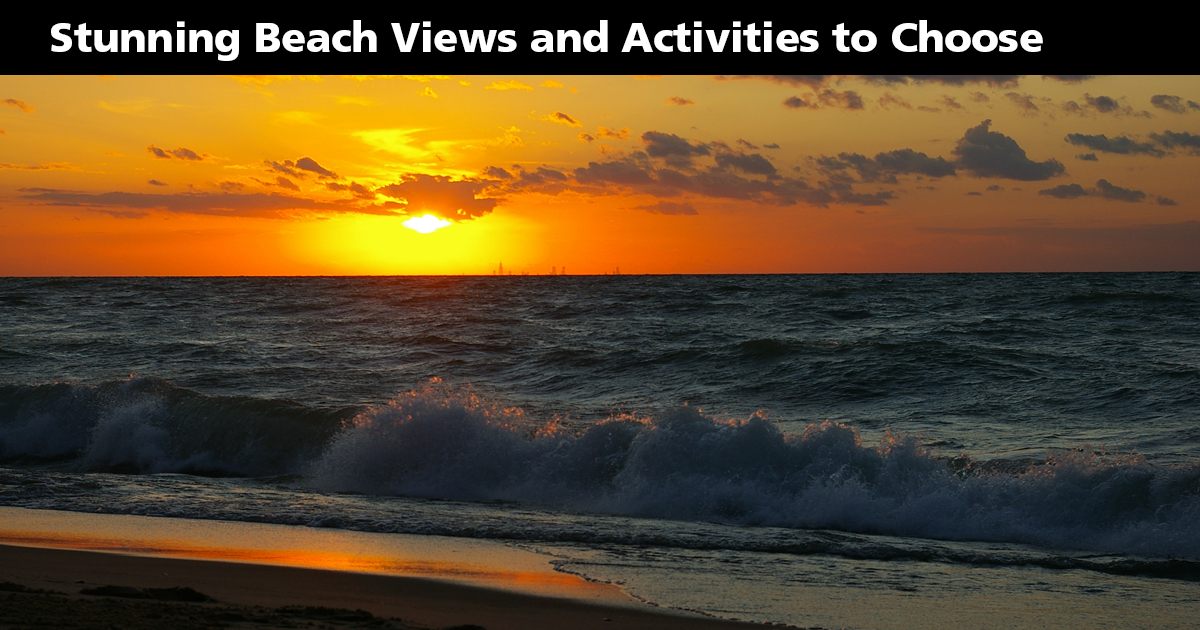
(799, 449)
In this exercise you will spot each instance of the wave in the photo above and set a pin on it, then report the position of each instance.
(687, 466)
(148, 425)
(684, 465)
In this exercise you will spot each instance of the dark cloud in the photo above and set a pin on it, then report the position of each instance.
(979, 97)
(675, 150)
(1163, 201)
(284, 182)
(669, 207)
(1102, 104)
(1180, 140)
(155, 182)
(287, 167)
(1065, 191)
(587, 137)
(1116, 193)
(562, 118)
(1087, 157)
(300, 167)
(272, 205)
(950, 103)
(992, 154)
(452, 199)
(354, 188)
(826, 98)
(891, 101)
(679, 100)
(795, 102)
(992, 80)
(1024, 102)
(1122, 145)
(1173, 104)
(1103, 189)
(752, 163)
(615, 134)
(771, 146)
(995, 188)
(1069, 78)
(884, 167)
(1109, 105)
(179, 153)
(310, 165)
(799, 80)
(974, 193)
(19, 104)
(746, 144)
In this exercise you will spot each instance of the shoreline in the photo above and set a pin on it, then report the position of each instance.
(416, 602)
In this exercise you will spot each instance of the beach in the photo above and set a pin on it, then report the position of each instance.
(247, 588)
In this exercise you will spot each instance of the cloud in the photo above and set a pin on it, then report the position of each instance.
(1173, 104)
(1103, 190)
(428, 92)
(310, 165)
(950, 103)
(1069, 78)
(265, 205)
(508, 85)
(992, 154)
(979, 97)
(1109, 105)
(669, 207)
(1121, 145)
(679, 100)
(891, 101)
(451, 199)
(615, 134)
(587, 137)
(820, 80)
(354, 188)
(551, 83)
(300, 168)
(178, 153)
(752, 163)
(826, 98)
(884, 167)
(1180, 140)
(284, 182)
(565, 119)
(1087, 157)
(1116, 193)
(746, 144)
(676, 151)
(155, 182)
(671, 166)
(19, 104)
(1024, 102)
(1065, 191)
(49, 166)
(772, 145)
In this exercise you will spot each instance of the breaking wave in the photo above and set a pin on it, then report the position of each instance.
(682, 465)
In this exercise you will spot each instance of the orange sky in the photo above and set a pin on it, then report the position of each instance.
(185, 175)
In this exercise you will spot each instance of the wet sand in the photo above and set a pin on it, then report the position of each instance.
(256, 596)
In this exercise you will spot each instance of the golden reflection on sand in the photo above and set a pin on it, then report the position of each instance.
(494, 566)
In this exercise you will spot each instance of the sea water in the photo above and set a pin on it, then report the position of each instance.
(841, 450)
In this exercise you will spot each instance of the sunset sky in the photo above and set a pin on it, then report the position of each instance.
(184, 175)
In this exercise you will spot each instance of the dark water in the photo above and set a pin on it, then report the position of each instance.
(994, 420)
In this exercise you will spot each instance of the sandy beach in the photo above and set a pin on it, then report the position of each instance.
(248, 595)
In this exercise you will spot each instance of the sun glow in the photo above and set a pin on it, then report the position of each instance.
(425, 224)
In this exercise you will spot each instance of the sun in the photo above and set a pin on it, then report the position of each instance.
(426, 224)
